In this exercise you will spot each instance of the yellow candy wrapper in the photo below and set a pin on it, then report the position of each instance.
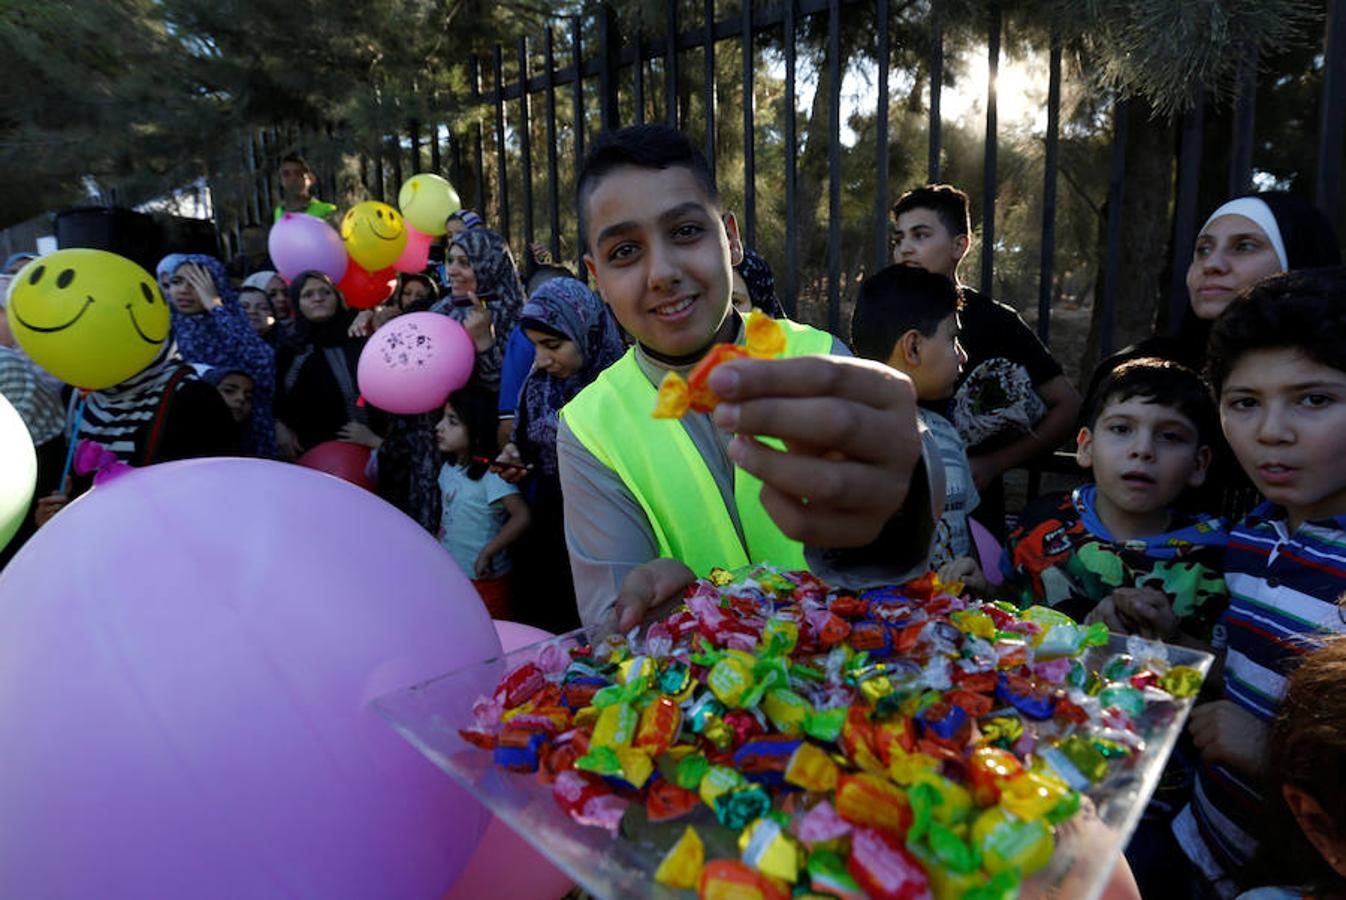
(674, 398)
(767, 847)
(681, 867)
(763, 335)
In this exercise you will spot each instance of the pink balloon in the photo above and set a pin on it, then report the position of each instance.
(417, 254)
(189, 654)
(988, 551)
(504, 864)
(414, 362)
(300, 242)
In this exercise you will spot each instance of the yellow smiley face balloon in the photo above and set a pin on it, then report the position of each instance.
(426, 201)
(91, 318)
(374, 234)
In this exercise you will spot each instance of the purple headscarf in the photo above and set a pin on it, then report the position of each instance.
(567, 307)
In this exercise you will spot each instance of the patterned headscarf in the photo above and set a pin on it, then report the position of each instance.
(111, 417)
(498, 284)
(761, 284)
(225, 337)
(567, 307)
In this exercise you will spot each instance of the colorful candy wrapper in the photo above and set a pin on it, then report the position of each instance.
(771, 850)
(682, 865)
(873, 801)
(1009, 843)
(739, 805)
(674, 398)
(660, 723)
(884, 869)
(827, 872)
(616, 726)
(821, 824)
(520, 685)
(763, 335)
(811, 768)
(729, 879)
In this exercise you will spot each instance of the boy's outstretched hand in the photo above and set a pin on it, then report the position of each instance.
(1226, 733)
(648, 587)
(967, 570)
(851, 430)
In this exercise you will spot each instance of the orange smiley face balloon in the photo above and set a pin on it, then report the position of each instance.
(91, 318)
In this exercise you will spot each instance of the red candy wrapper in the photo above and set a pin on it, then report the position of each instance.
(885, 869)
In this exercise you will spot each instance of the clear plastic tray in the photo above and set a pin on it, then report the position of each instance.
(429, 715)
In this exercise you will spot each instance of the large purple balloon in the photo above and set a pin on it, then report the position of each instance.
(187, 660)
(300, 242)
(414, 362)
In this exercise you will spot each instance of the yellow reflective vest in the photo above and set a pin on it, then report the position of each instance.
(658, 462)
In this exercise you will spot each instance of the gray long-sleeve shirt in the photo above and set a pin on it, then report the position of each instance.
(608, 533)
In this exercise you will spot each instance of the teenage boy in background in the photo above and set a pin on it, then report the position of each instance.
(1013, 403)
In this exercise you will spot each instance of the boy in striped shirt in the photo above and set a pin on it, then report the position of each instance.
(1277, 360)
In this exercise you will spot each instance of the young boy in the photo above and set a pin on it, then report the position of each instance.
(1277, 360)
(652, 503)
(908, 318)
(1115, 550)
(1013, 403)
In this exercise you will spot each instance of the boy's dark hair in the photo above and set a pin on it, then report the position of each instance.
(542, 273)
(1303, 310)
(649, 146)
(479, 415)
(1162, 382)
(895, 300)
(296, 158)
(1308, 751)
(949, 203)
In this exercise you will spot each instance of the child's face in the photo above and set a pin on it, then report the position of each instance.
(294, 179)
(556, 356)
(414, 291)
(1284, 416)
(183, 295)
(924, 242)
(932, 362)
(1143, 455)
(1232, 253)
(661, 254)
(279, 295)
(236, 389)
(451, 433)
(258, 310)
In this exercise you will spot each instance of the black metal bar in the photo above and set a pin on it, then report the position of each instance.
(456, 164)
(436, 157)
(834, 166)
(708, 82)
(1184, 210)
(576, 50)
(414, 131)
(481, 168)
(881, 145)
(1116, 183)
(989, 157)
(609, 53)
(1241, 142)
(791, 146)
(1332, 130)
(553, 178)
(638, 73)
(397, 162)
(501, 169)
(1049, 165)
(525, 132)
(380, 188)
(749, 226)
(671, 65)
(936, 91)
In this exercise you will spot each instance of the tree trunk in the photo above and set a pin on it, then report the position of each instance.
(1143, 247)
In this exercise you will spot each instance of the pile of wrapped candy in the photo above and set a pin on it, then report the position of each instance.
(774, 736)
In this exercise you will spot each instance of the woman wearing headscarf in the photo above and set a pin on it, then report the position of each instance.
(574, 338)
(210, 327)
(164, 412)
(316, 392)
(1242, 242)
(485, 295)
(755, 286)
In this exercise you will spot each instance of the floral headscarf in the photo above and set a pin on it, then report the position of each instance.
(498, 285)
(225, 337)
(567, 307)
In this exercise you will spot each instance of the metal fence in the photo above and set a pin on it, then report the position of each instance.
(615, 71)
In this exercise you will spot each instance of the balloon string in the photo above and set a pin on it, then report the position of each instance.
(74, 439)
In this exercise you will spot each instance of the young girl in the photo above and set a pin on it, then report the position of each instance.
(482, 514)
(1306, 831)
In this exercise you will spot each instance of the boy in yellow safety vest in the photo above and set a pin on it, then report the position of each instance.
(814, 449)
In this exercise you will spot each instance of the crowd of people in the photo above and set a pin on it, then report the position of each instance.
(1211, 510)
